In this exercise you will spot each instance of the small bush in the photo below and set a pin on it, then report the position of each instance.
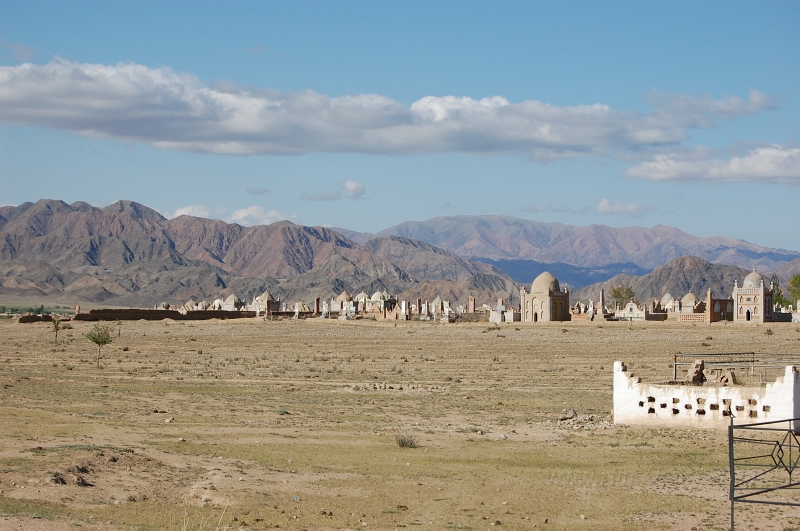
(406, 441)
(769, 331)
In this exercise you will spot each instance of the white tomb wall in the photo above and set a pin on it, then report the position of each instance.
(643, 404)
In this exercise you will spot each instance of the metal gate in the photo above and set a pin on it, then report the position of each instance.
(764, 458)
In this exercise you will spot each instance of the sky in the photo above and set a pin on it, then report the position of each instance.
(362, 115)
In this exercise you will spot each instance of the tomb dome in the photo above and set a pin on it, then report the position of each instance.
(689, 299)
(344, 297)
(753, 280)
(545, 282)
(666, 299)
(378, 296)
(266, 297)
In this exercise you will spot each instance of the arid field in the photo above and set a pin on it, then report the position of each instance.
(260, 424)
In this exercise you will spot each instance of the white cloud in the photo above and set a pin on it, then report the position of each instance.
(257, 190)
(631, 210)
(689, 111)
(352, 189)
(198, 211)
(255, 215)
(562, 209)
(325, 196)
(535, 209)
(773, 164)
(21, 52)
(173, 110)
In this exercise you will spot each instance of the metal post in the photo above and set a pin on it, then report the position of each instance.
(674, 367)
(730, 466)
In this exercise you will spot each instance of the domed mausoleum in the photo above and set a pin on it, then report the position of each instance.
(545, 301)
(752, 301)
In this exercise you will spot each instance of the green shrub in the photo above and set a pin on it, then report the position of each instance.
(406, 441)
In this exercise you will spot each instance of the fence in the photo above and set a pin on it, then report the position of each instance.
(763, 458)
(754, 367)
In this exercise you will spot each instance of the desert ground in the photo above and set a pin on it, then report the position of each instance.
(260, 424)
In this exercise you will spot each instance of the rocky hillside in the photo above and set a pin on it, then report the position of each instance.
(678, 277)
(128, 254)
(423, 260)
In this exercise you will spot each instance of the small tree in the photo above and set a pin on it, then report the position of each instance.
(621, 294)
(119, 327)
(777, 293)
(794, 288)
(56, 328)
(100, 335)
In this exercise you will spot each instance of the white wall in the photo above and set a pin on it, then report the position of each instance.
(641, 404)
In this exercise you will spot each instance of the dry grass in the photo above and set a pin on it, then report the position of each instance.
(293, 424)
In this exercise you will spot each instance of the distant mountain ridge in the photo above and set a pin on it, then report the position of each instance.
(129, 254)
(524, 271)
(508, 238)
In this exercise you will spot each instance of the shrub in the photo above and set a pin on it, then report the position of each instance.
(100, 335)
(406, 441)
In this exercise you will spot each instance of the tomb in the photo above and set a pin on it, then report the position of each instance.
(701, 403)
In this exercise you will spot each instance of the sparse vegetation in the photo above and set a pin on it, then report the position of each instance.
(621, 294)
(406, 441)
(56, 327)
(794, 288)
(483, 415)
(100, 335)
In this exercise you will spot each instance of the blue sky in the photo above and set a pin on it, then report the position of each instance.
(366, 114)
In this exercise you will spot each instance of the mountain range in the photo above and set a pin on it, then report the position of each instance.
(507, 238)
(130, 255)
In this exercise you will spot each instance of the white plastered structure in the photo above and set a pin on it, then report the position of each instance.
(637, 403)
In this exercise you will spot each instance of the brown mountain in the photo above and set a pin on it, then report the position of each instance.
(76, 235)
(423, 260)
(128, 254)
(509, 238)
(787, 271)
(678, 277)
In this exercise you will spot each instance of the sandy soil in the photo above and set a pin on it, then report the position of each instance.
(293, 425)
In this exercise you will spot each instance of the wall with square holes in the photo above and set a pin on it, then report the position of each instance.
(703, 406)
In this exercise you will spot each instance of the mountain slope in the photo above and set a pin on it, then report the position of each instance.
(678, 277)
(509, 238)
(423, 260)
(129, 254)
